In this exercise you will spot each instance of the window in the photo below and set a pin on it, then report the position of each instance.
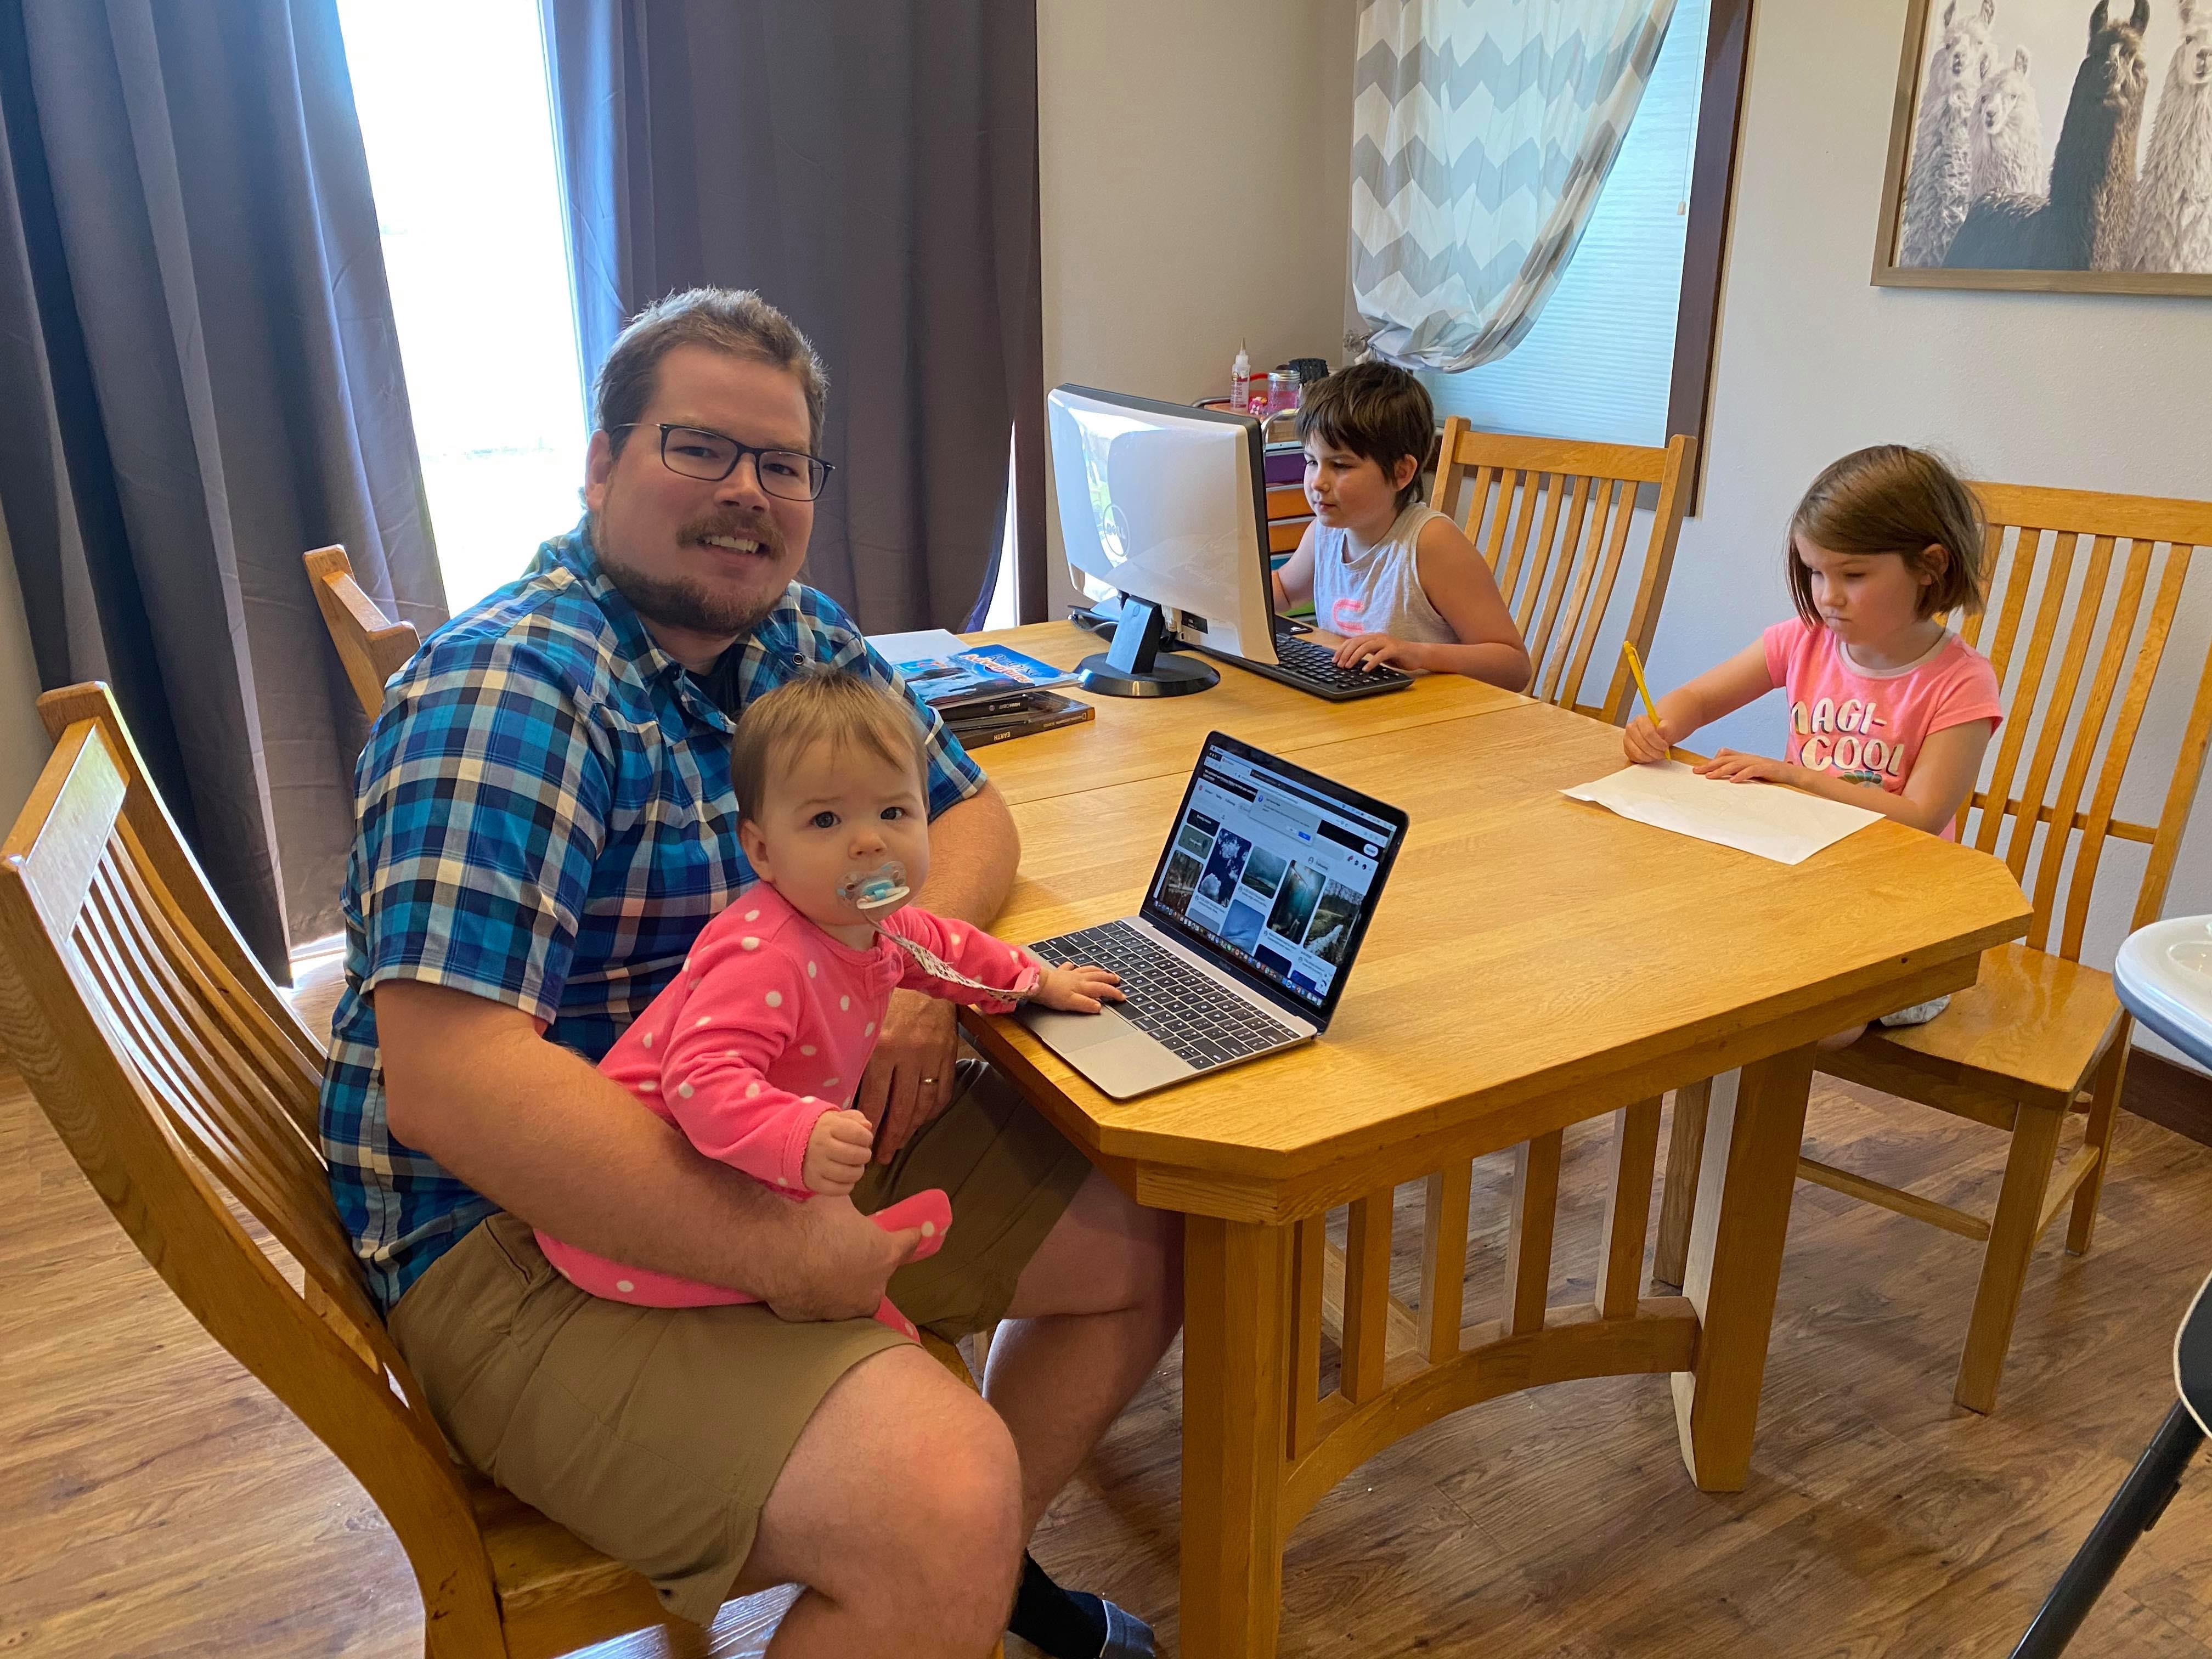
(1005, 608)
(1599, 364)
(459, 133)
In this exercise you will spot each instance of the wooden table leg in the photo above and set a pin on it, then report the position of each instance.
(1753, 1132)
(1236, 1397)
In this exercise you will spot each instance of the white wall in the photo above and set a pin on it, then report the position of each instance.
(2084, 391)
(23, 745)
(1196, 181)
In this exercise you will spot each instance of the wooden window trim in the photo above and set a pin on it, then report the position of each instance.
(1704, 253)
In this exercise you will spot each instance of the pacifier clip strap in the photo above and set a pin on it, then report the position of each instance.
(938, 968)
(875, 893)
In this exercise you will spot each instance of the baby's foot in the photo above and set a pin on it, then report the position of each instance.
(887, 1315)
(932, 1211)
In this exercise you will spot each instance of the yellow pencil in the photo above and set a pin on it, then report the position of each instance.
(1635, 667)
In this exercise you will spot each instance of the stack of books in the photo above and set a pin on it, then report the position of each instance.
(987, 693)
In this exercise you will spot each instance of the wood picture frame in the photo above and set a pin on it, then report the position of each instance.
(1985, 35)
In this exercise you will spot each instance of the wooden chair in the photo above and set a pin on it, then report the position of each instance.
(2039, 1037)
(1559, 579)
(372, 646)
(176, 1074)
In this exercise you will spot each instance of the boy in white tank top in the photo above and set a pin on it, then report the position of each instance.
(1394, 579)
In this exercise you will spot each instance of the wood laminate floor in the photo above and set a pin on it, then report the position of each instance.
(155, 1501)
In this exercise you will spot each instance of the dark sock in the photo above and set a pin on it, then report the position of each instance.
(1065, 1624)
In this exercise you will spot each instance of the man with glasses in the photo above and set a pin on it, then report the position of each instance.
(546, 822)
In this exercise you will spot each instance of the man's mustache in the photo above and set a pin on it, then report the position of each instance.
(735, 528)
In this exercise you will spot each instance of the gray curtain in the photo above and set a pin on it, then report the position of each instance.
(870, 167)
(1482, 136)
(202, 382)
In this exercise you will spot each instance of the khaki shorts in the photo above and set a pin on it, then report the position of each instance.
(655, 1434)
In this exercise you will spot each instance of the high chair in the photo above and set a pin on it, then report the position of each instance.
(2039, 1037)
(179, 1080)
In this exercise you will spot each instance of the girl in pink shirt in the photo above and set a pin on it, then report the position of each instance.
(1888, 709)
(756, 1048)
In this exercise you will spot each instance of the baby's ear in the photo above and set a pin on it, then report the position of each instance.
(755, 845)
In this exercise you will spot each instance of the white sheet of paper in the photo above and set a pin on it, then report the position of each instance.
(1783, 824)
(920, 645)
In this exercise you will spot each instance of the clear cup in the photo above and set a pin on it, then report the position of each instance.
(1283, 391)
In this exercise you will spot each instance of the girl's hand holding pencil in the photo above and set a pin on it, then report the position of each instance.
(1645, 740)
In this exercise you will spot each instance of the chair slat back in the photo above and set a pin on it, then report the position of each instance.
(1552, 519)
(2083, 592)
(176, 1075)
(372, 646)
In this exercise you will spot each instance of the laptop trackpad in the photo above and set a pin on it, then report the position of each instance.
(1071, 1033)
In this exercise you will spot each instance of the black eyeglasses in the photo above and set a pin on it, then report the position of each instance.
(696, 452)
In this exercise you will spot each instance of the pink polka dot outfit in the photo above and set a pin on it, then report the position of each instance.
(769, 1026)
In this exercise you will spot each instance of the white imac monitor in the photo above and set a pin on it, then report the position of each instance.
(1166, 504)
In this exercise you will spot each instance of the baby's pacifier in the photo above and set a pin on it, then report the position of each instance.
(872, 892)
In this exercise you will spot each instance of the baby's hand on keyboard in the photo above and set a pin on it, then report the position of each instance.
(1368, 652)
(1078, 990)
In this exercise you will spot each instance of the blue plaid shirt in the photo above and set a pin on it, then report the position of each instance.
(545, 820)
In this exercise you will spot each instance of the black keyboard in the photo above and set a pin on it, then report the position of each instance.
(1198, 1017)
(1313, 668)
(1317, 663)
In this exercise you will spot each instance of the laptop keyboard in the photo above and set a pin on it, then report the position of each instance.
(1316, 665)
(1199, 1018)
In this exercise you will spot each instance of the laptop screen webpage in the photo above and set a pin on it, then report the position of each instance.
(1272, 873)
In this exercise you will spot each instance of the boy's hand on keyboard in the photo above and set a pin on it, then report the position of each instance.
(1369, 651)
(838, 1152)
(1078, 990)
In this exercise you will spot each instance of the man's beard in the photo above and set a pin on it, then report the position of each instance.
(685, 602)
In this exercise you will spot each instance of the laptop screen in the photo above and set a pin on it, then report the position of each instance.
(1274, 868)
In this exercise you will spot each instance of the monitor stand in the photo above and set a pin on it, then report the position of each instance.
(1135, 666)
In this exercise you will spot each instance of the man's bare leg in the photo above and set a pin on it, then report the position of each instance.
(899, 1510)
(1094, 1310)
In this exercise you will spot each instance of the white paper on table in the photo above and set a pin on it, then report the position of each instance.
(1783, 824)
(920, 645)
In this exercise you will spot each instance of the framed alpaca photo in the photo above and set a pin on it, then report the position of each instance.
(2062, 145)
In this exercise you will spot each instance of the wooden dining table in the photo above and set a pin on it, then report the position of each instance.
(1535, 962)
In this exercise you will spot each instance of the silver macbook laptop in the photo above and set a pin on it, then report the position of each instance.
(1248, 932)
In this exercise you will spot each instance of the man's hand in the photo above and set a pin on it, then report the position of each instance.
(908, 1081)
(1372, 651)
(849, 1261)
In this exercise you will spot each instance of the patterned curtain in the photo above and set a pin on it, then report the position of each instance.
(1482, 132)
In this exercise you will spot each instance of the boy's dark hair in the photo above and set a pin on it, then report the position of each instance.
(1889, 499)
(1377, 412)
(850, 712)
